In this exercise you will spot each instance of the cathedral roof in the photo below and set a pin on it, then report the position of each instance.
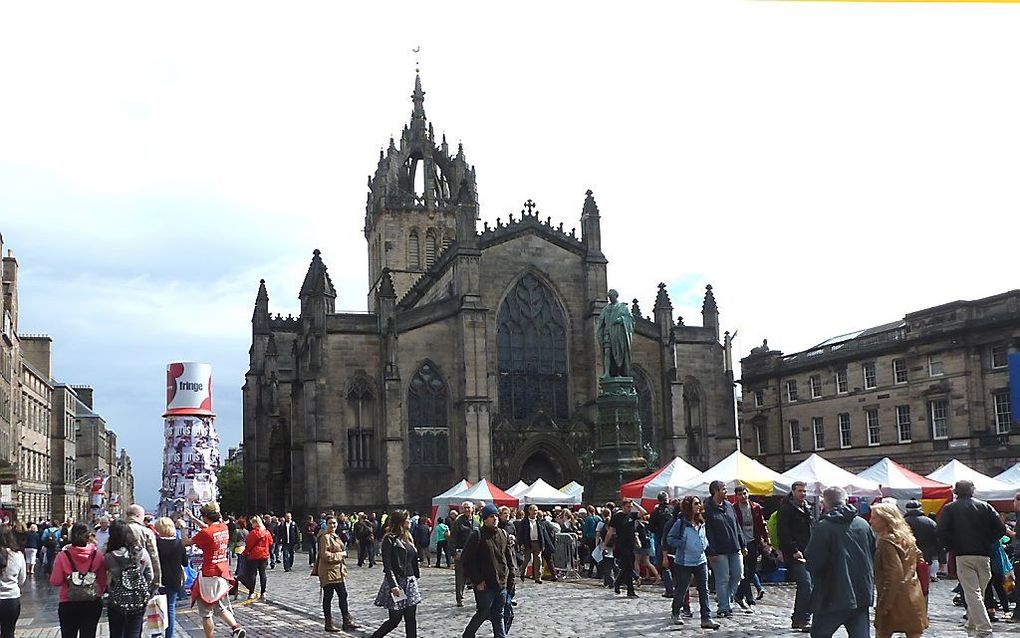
(317, 281)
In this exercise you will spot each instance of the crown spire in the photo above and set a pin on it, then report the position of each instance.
(418, 97)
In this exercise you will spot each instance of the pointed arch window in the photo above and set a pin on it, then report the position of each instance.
(430, 247)
(428, 431)
(361, 425)
(531, 340)
(414, 250)
(649, 443)
(447, 240)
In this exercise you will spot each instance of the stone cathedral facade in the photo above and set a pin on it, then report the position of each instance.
(477, 357)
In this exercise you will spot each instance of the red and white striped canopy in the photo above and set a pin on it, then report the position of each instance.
(900, 483)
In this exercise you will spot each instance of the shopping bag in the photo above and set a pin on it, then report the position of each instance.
(156, 617)
(190, 574)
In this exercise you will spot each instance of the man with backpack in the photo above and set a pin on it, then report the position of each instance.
(51, 543)
(146, 539)
(487, 561)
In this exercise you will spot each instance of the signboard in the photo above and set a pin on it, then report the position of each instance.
(191, 456)
(188, 389)
(1014, 385)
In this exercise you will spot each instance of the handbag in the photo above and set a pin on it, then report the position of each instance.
(156, 615)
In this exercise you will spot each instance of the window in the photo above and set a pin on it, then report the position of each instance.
(1003, 412)
(816, 386)
(841, 383)
(430, 248)
(999, 356)
(413, 251)
(759, 398)
(649, 442)
(818, 430)
(874, 428)
(844, 430)
(939, 413)
(427, 418)
(531, 353)
(899, 367)
(361, 430)
(761, 438)
(869, 375)
(791, 390)
(794, 436)
(903, 423)
(935, 365)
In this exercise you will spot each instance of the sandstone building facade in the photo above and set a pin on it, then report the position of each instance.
(477, 356)
(923, 390)
(43, 474)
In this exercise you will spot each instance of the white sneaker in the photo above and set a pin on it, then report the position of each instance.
(677, 620)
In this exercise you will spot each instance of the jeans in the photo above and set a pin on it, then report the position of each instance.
(797, 571)
(79, 619)
(750, 574)
(365, 552)
(10, 610)
(288, 556)
(313, 548)
(123, 625)
(974, 573)
(727, 569)
(683, 575)
(856, 621)
(490, 604)
(171, 609)
(410, 623)
(274, 554)
(327, 599)
(667, 574)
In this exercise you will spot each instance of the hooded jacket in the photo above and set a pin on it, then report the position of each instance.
(924, 533)
(84, 559)
(840, 558)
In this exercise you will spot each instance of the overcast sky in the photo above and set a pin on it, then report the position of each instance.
(826, 167)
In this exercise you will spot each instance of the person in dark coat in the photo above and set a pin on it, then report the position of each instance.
(488, 562)
(460, 529)
(726, 546)
(924, 532)
(840, 557)
(793, 527)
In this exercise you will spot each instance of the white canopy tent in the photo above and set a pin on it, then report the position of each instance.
(819, 474)
(985, 487)
(574, 490)
(541, 493)
(517, 489)
(678, 472)
(1011, 476)
(450, 496)
(737, 469)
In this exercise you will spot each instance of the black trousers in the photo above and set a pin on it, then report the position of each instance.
(625, 561)
(327, 599)
(79, 619)
(365, 551)
(410, 623)
(10, 610)
(254, 567)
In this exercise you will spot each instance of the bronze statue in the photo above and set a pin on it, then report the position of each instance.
(615, 331)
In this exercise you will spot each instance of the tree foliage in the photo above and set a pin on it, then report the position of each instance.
(230, 480)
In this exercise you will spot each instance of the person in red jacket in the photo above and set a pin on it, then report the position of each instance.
(751, 519)
(256, 555)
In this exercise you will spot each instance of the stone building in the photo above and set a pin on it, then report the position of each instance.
(922, 390)
(41, 473)
(477, 357)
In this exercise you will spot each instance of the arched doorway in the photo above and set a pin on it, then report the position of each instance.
(540, 466)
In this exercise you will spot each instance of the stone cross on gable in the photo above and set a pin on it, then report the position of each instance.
(530, 206)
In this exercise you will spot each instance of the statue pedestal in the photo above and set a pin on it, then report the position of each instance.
(618, 456)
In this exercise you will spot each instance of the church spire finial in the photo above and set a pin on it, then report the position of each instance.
(418, 97)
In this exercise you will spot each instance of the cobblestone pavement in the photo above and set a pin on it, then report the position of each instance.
(579, 609)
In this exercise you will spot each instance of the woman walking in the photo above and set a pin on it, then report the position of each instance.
(688, 540)
(128, 574)
(80, 573)
(238, 537)
(172, 559)
(331, 554)
(12, 577)
(399, 590)
(32, 544)
(442, 535)
(256, 556)
(900, 605)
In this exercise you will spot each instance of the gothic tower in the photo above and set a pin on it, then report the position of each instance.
(421, 201)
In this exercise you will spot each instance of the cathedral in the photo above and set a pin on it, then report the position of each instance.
(477, 357)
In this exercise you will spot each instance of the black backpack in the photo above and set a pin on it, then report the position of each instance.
(130, 593)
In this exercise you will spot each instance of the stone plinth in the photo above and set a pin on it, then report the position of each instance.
(618, 456)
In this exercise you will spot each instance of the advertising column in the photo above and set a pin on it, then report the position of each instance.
(191, 447)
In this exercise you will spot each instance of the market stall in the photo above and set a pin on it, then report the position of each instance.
(900, 483)
(819, 474)
(737, 468)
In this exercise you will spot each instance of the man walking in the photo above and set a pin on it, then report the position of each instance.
(274, 551)
(925, 534)
(288, 539)
(660, 516)
(726, 547)
(752, 526)
(793, 527)
(535, 540)
(462, 527)
(487, 562)
(970, 529)
(215, 579)
(839, 557)
(146, 538)
(621, 536)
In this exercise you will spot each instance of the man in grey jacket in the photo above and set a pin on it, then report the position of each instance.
(146, 538)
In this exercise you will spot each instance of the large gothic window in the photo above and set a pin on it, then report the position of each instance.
(649, 443)
(532, 352)
(361, 425)
(428, 435)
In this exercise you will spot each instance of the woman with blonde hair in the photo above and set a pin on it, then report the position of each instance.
(900, 606)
